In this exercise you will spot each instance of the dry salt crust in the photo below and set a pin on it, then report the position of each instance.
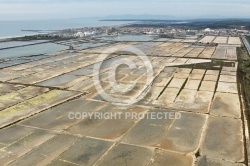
(207, 39)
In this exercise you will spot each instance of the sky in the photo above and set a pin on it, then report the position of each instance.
(60, 9)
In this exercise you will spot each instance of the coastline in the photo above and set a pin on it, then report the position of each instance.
(11, 37)
(14, 28)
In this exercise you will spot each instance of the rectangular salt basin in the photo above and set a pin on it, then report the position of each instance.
(31, 50)
(19, 43)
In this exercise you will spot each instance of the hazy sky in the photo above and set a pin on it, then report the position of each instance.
(50, 9)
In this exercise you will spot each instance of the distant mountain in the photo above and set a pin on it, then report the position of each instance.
(166, 17)
(139, 17)
(150, 17)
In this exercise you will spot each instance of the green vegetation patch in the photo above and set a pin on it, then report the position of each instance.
(248, 39)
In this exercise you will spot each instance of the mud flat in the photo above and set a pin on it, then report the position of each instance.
(234, 40)
(221, 40)
(207, 39)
